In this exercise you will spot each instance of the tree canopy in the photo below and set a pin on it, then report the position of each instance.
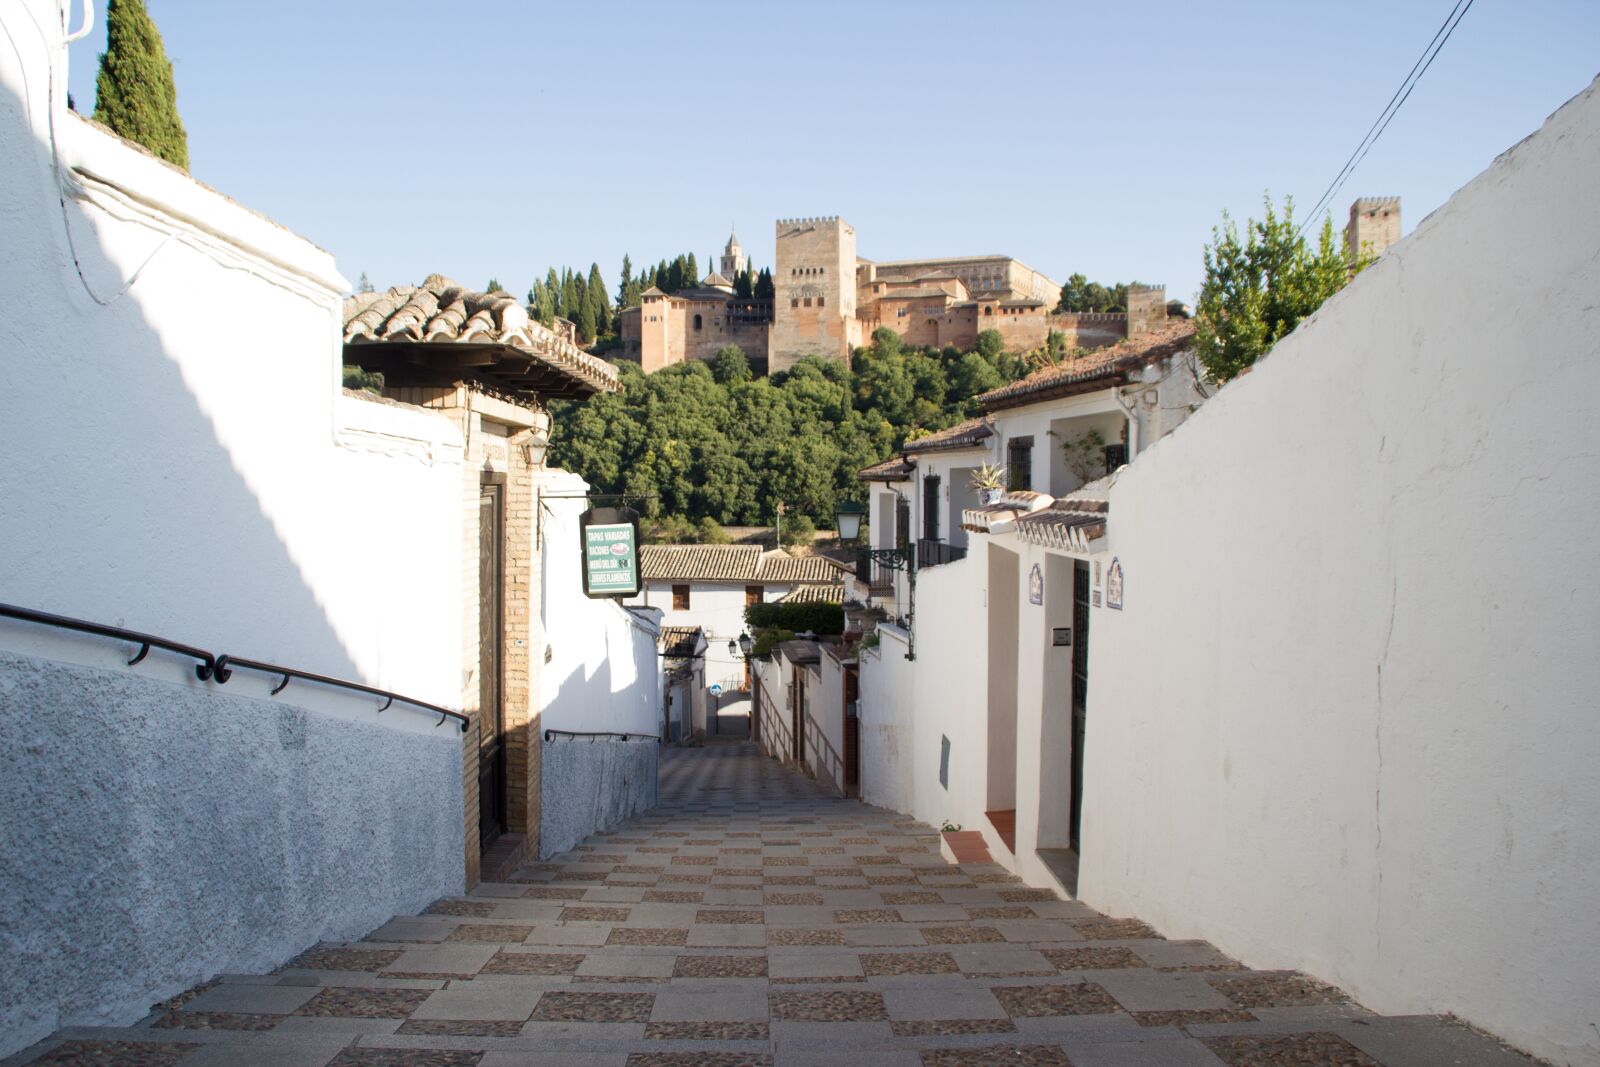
(1257, 290)
(134, 91)
(697, 441)
(1080, 294)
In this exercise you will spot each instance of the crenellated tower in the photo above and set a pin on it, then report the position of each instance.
(814, 310)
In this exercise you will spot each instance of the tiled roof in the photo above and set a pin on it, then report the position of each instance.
(1008, 508)
(679, 642)
(1095, 370)
(801, 651)
(911, 294)
(707, 563)
(961, 435)
(816, 593)
(893, 469)
(782, 567)
(734, 563)
(525, 356)
(1069, 523)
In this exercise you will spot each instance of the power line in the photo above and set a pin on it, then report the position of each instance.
(1441, 37)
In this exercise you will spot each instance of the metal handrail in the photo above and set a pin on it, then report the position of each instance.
(551, 735)
(226, 664)
(219, 668)
(203, 669)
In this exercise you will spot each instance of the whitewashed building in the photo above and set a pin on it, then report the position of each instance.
(1311, 677)
(709, 586)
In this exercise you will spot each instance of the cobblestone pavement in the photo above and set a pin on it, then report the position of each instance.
(753, 919)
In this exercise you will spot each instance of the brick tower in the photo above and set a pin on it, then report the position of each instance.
(814, 306)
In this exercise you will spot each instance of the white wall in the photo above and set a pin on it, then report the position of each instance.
(1346, 721)
(907, 706)
(718, 609)
(182, 460)
(603, 672)
(156, 834)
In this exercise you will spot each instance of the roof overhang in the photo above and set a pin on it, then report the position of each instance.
(524, 373)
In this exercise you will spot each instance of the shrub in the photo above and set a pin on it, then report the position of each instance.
(799, 530)
(825, 619)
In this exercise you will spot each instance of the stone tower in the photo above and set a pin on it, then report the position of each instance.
(734, 260)
(814, 300)
(1374, 225)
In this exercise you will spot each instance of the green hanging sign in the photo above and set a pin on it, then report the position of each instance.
(610, 538)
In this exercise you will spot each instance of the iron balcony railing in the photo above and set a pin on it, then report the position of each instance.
(931, 553)
(219, 669)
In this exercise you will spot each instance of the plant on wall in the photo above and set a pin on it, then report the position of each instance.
(1086, 455)
(988, 476)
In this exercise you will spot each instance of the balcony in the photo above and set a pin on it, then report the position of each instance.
(931, 553)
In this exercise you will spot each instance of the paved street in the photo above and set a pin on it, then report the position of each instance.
(752, 919)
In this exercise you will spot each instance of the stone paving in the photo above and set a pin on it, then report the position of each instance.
(753, 919)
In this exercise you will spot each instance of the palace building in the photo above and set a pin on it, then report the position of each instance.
(828, 301)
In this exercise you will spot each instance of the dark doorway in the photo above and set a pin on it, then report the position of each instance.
(491, 660)
(852, 732)
(797, 707)
(1080, 690)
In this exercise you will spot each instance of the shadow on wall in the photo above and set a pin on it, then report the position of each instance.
(122, 879)
(122, 505)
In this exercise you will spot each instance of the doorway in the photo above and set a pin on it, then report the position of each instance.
(1080, 694)
(797, 707)
(491, 659)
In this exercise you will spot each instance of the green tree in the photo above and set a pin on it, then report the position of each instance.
(764, 289)
(494, 286)
(798, 530)
(1080, 294)
(731, 366)
(624, 283)
(364, 285)
(134, 91)
(585, 323)
(991, 344)
(599, 302)
(1257, 290)
(710, 532)
(691, 273)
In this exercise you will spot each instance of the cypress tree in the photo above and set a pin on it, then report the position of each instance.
(585, 322)
(627, 279)
(552, 297)
(567, 308)
(691, 273)
(134, 92)
(599, 301)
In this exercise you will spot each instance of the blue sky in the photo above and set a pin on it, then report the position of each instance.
(496, 139)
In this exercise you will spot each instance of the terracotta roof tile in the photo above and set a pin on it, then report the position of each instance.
(1069, 523)
(893, 469)
(440, 311)
(962, 435)
(679, 642)
(782, 567)
(1097, 369)
(706, 563)
(816, 593)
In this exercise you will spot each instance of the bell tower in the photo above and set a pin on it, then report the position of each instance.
(734, 261)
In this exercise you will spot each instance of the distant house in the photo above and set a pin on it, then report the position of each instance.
(683, 681)
(709, 586)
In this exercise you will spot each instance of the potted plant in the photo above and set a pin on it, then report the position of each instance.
(990, 482)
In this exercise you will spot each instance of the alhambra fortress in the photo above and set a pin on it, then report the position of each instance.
(829, 300)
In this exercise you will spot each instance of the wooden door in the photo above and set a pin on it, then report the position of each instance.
(491, 663)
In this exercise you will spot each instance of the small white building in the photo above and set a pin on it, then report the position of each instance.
(709, 586)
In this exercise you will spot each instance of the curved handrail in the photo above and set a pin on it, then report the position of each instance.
(551, 735)
(203, 669)
(225, 666)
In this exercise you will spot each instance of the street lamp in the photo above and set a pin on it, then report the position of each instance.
(745, 643)
(848, 517)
